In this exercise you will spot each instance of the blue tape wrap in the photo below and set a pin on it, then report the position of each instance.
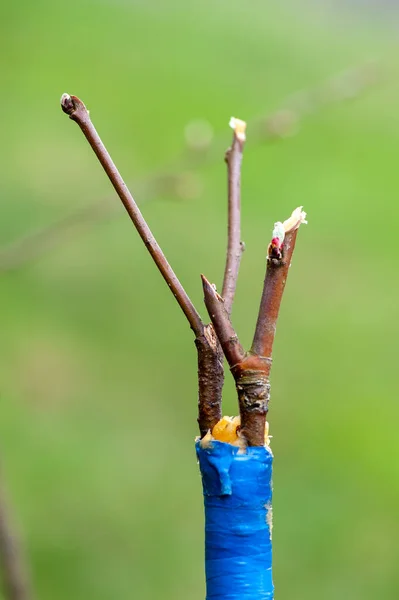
(237, 490)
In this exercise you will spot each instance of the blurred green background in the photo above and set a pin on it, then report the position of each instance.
(98, 366)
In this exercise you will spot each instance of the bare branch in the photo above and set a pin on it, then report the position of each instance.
(77, 111)
(234, 245)
(278, 262)
(227, 337)
(12, 562)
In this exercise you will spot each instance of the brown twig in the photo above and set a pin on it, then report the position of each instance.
(273, 288)
(278, 263)
(77, 111)
(15, 578)
(235, 246)
(252, 374)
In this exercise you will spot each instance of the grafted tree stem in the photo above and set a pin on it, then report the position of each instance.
(250, 370)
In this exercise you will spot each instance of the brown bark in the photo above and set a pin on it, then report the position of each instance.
(235, 247)
(210, 380)
(251, 376)
(273, 289)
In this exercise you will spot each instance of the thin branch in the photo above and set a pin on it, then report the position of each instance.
(279, 257)
(234, 245)
(225, 332)
(13, 567)
(77, 111)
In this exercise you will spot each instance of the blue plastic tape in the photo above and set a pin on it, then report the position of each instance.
(237, 490)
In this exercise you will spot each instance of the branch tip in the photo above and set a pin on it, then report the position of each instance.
(295, 220)
(281, 229)
(239, 127)
(71, 104)
(279, 255)
(210, 289)
(67, 104)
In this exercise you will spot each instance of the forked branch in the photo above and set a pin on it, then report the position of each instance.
(250, 370)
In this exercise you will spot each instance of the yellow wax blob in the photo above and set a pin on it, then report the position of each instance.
(228, 430)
